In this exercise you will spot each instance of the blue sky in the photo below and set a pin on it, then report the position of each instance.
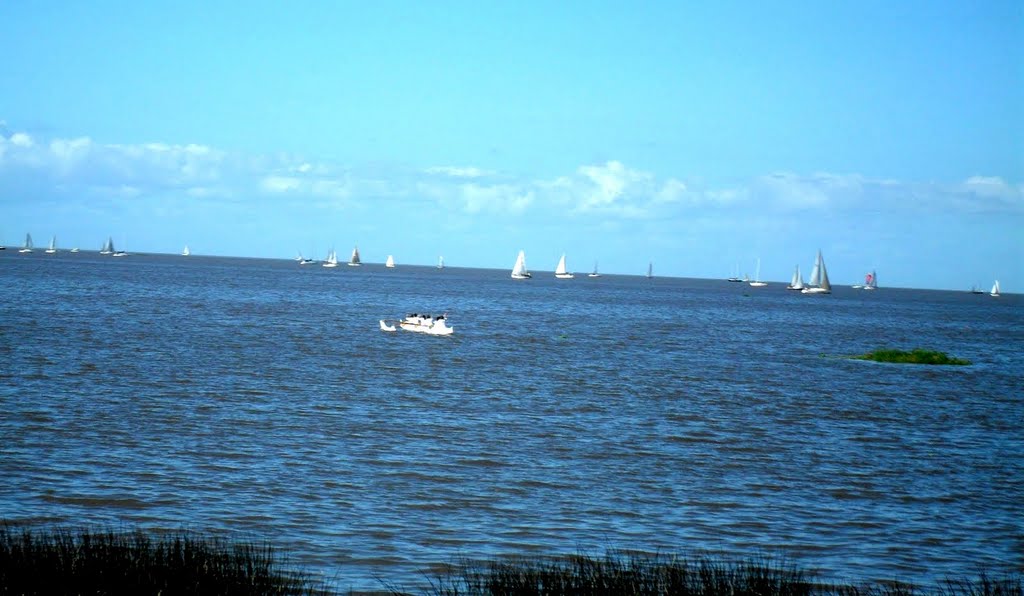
(890, 135)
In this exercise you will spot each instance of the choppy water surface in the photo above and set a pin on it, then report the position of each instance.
(259, 399)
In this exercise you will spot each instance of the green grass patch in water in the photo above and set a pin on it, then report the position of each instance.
(916, 356)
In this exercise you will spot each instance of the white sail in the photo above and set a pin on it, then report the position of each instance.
(108, 246)
(798, 281)
(995, 289)
(332, 259)
(53, 245)
(560, 271)
(519, 270)
(354, 261)
(186, 252)
(27, 247)
(390, 263)
(819, 283)
(440, 262)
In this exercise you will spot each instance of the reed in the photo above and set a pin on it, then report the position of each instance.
(916, 356)
(90, 562)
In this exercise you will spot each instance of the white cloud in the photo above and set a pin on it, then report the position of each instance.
(459, 172)
(595, 192)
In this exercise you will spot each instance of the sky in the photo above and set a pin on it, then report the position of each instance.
(889, 135)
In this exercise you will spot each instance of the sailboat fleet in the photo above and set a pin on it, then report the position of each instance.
(817, 284)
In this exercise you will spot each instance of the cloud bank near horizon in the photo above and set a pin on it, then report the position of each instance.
(84, 169)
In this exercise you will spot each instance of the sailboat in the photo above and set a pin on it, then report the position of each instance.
(818, 284)
(594, 273)
(650, 269)
(560, 271)
(995, 289)
(736, 276)
(757, 283)
(519, 269)
(798, 281)
(354, 260)
(108, 247)
(52, 249)
(976, 290)
(186, 252)
(440, 262)
(27, 247)
(390, 263)
(871, 281)
(332, 259)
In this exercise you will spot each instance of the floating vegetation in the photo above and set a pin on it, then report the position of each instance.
(916, 356)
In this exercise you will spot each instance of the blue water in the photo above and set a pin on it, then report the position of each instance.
(259, 399)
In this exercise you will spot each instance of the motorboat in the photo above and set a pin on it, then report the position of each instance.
(419, 323)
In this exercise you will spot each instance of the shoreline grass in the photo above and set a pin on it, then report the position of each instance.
(915, 356)
(131, 562)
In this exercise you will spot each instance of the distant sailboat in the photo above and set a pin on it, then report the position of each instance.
(27, 247)
(52, 249)
(736, 276)
(560, 271)
(440, 262)
(650, 269)
(798, 282)
(818, 284)
(594, 273)
(332, 259)
(186, 252)
(995, 289)
(354, 260)
(519, 270)
(390, 263)
(757, 283)
(108, 247)
(871, 281)
(976, 290)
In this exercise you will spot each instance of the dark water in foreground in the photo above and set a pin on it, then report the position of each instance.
(258, 398)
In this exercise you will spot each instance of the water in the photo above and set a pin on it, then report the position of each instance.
(258, 399)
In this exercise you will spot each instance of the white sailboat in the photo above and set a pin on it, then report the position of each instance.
(798, 282)
(594, 273)
(995, 289)
(560, 271)
(52, 249)
(757, 283)
(186, 252)
(871, 281)
(332, 259)
(27, 247)
(390, 263)
(354, 260)
(519, 270)
(440, 262)
(736, 276)
(818, 284)
(108, 247)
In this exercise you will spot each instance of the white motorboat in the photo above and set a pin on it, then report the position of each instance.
(417, 323)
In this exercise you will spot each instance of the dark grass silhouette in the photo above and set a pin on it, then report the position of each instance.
(90, 562)
(131, 562)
